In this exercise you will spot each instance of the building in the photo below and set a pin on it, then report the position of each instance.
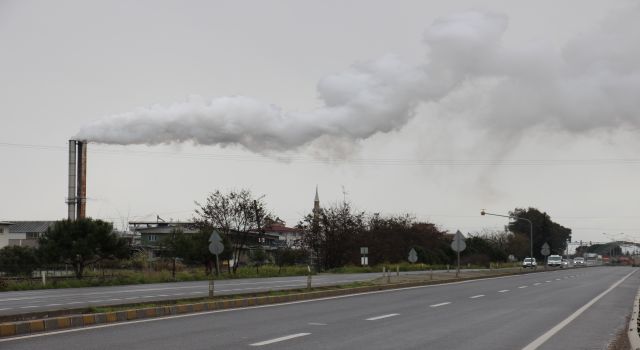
(152, 233)
(4, 233)
(23, 233)
(286, 236)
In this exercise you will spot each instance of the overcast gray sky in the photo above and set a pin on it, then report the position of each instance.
(434, 108)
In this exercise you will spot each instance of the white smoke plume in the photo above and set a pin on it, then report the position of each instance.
(591, 84)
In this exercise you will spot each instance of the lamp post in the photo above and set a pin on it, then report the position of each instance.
(483, 212)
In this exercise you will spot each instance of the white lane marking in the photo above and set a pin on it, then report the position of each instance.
(503, 291)
(130, 298)
(53, 304)
(537, 284)
(380, 317)
(557, 279)
(6, 308)
(276, 340)
(114, 299)
(28, 307)
(550, 333)
(522, 287)
(75, 302)
(95, 301)
(441, 304)
(316, 324)
(547, 281)
(476, 296)
(205, 313)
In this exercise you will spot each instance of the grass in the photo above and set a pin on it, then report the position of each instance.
(128, 277)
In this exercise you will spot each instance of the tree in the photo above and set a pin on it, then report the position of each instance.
(17, 260)
(81, 243)
(193, 248)
(544, 230)
(235, 213)
(332, 235)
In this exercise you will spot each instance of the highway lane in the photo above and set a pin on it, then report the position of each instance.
(498, 313)
(20, 302)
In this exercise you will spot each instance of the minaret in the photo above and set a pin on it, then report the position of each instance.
(316, 206)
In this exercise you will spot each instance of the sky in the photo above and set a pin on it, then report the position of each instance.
(437, 109)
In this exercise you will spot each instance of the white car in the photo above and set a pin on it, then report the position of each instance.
(529, 262)
(578, 261)
(554, 261)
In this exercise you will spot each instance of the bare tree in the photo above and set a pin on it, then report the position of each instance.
(235, 213)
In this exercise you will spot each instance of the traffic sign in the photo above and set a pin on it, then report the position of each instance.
(216, 247)
(458, 243)
(413, 256)
(545, 249)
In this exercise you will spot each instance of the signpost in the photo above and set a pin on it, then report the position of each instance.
(545, 251)
(364, 259)
(216, 247)
(458, 245)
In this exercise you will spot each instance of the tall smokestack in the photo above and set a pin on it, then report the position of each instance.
(71, 198)
(82, 179)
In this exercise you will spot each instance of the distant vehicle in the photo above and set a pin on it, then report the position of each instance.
(578, 261)
(593, 259)
(529, 262)
(554, 261)
(565, 263)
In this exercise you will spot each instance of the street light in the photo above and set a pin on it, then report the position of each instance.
(482, 212)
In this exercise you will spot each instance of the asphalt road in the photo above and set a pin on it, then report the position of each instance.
(564, 309)
(21, 302)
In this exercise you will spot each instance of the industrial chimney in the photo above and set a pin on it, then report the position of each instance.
(77, 197)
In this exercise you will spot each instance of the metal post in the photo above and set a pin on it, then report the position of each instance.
(44, 277)
(458, 270)
(309, 277)
(211, 286)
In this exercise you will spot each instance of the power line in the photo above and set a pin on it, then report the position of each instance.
(350, 161)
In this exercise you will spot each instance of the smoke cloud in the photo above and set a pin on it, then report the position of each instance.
(590, 84)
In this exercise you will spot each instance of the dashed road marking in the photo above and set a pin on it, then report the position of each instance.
(380, 317)
(316, 324)
(276, 340)
(537, 284)
(503, 291)
(521, 287)
(441, 304)
(476, 296)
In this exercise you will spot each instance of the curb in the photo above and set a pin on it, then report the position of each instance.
(9, 329)
(634, 338)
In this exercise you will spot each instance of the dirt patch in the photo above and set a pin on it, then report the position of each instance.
(621, 341)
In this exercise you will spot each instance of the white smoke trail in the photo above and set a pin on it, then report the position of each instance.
(591, 84)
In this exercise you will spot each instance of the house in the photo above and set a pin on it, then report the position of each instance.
(152, 233)
(23, 233)
(4, 233)
(287, 236)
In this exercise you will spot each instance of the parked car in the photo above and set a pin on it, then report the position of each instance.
(578, 261)
(554, 261)
(529, 262)
(565, 263)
